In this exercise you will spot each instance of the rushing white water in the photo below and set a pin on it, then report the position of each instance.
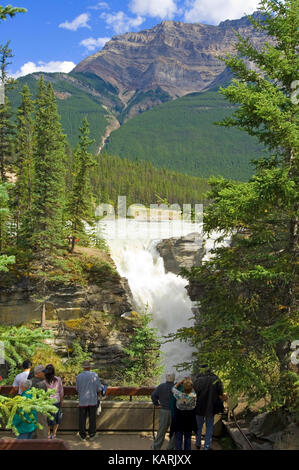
(161, 294)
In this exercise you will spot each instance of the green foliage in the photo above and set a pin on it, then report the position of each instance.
(41, 402)
(10, 11)
(143, 183)
(22, 191)
(80, 207)
(143, 364)
(45, 226)
(4, 217)
(67, 370)
(76, 99)
(181, 135)
(7, 127)
(21, 343)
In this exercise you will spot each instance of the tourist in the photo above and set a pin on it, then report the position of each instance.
(53, 382)
(184, 420)
(24, 424)
(161, 399)
(88, 386)
(210, 397)
(20, 378)
(38, 381)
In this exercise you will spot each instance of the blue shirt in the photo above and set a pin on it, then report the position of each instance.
(25, 424)
(88, 385)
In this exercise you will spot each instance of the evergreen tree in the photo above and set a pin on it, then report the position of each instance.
(4, 216)
(24, 165)
(80, 206)
(143, 362)
(248, 317)
(7, 127)
(44, 221)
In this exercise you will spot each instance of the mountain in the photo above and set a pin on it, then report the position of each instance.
(141, 76)
(173, 58)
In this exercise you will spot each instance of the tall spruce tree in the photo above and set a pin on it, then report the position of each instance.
(4, 217)
(80, 207)
(248, 317)
(22, 193)
(7, 127)
(44, 227)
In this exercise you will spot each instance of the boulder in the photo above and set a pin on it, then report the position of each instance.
(184, 252)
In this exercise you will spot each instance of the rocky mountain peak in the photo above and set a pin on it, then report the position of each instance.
(176, 57)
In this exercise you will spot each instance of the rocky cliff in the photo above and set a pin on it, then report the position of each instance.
(88, 307)
(184, 252)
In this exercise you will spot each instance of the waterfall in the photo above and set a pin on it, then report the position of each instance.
(162, 294)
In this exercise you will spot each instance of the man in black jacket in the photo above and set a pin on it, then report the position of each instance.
(210, 397)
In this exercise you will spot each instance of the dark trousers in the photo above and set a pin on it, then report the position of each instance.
(179, 440)
(90, 411)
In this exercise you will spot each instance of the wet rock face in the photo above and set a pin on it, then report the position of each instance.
(180, 58)
(184, 252)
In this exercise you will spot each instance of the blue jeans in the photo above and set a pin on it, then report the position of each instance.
(179, 440)
(209, 430)
(26, 435)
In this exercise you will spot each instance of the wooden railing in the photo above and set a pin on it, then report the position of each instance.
(111, 391)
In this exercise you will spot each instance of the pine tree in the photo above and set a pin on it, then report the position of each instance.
(7, 127)
(22, 193)
(80, 207)
(4, 216)
(44, 224)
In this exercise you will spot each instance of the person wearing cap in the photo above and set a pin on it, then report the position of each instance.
(25, 424)
(161, 397)
(209, 402)
(88, 386)
(38, 381)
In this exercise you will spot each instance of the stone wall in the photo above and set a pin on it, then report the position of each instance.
(122, 416)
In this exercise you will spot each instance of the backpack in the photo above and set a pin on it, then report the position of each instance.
(186, 402)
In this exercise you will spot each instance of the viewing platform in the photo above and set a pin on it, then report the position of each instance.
(127, 421)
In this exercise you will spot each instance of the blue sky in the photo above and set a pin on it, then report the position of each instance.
(55, 36)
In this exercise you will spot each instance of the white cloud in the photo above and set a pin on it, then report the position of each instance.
(214, 11)
(92, 44)
(120, 22)
(48, 67)
(80, 22)
(164, 9)
(100, 6)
